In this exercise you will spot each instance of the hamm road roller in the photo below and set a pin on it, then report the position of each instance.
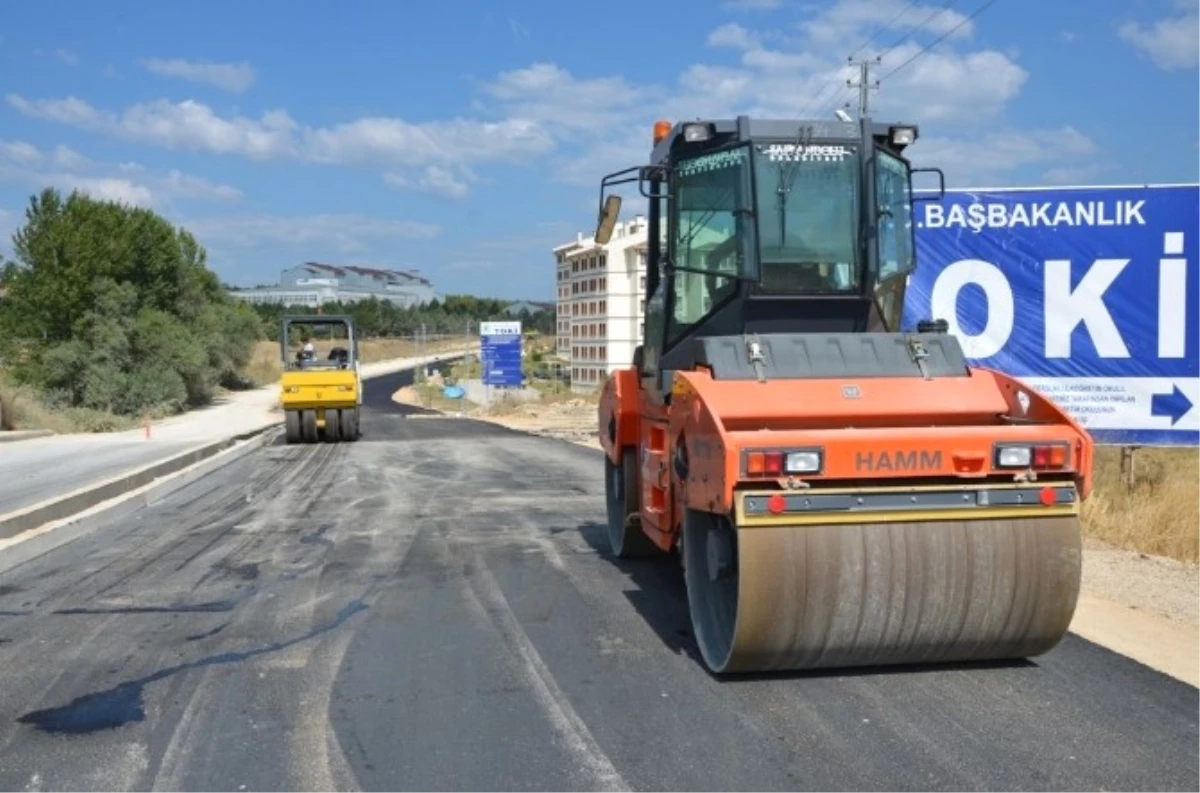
(321, 387)
(841, 493)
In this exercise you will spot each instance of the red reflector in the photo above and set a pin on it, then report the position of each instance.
(774, 463)
(1041, 456)
(776, 503)
(1048, 497)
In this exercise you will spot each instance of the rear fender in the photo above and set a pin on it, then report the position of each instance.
(1043, 410)
(700, 447)
(618, 413)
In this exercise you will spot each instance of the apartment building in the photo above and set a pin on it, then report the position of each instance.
(600, 289)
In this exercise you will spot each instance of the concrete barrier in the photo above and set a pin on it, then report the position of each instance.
(60, 507)
(48, 535)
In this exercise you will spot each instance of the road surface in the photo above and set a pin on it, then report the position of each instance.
(433, 607)
(34, 470)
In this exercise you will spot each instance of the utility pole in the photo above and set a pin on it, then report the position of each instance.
(864, 84)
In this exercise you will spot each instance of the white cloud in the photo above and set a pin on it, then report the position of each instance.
(752, 5)
(731, 34)
(369, 142)
(519, 31)
(945, 85)
(345, 233)
(183, 125)
(847, 22)
(433, 179)
(578, 127)
(1172, 42)
(64, 55)
(66, 169)
(66, 157)
(107, 188)
(989, 160)
(233, 77)
(184, 185)
(395, 142)
(1078, 174)
(19, 152)
(548, 95)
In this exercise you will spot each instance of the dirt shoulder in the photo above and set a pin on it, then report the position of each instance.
(1144, 607)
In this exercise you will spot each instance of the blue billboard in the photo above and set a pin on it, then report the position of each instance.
(1087, 294)
(500, 354)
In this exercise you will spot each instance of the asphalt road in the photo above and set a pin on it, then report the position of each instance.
(433, 607)
(32, 471)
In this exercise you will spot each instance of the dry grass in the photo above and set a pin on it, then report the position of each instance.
(1159, 515)
(23, 408)
(264, 366)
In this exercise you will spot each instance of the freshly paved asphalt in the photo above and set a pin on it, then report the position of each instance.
(434, 607)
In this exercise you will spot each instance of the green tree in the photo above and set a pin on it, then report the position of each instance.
(111, 307)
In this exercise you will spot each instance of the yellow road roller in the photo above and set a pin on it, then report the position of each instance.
(321, 387)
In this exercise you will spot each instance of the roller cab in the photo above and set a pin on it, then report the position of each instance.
(320, 390)
(840, 492)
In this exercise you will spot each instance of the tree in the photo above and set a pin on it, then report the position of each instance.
(111, 307)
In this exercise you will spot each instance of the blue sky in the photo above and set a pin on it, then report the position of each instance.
(465, 139)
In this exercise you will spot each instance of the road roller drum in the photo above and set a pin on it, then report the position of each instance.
(807, 596)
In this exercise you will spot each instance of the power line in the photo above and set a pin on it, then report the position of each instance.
(904, 36)
(907, 7)
(903, 10)
(812, 102)
(939, 39)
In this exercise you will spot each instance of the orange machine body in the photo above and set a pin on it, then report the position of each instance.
(872, 432)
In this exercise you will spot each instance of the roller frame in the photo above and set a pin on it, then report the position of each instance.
(1034, 547)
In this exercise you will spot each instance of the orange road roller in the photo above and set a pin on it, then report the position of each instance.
(841, 493)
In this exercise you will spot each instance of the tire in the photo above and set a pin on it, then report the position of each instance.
(308, 425)
(291, 426)
(333, 426)
(622, 491)
(349, 420)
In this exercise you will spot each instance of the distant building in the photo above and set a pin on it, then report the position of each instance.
(313, 283)
(600, 293)
(515, 309)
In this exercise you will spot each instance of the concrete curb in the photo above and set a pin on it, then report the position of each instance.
(12, 436)
(30, 544)
(150, 481)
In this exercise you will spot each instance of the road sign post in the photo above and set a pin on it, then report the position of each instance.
(1088, 294)
(500, 355)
